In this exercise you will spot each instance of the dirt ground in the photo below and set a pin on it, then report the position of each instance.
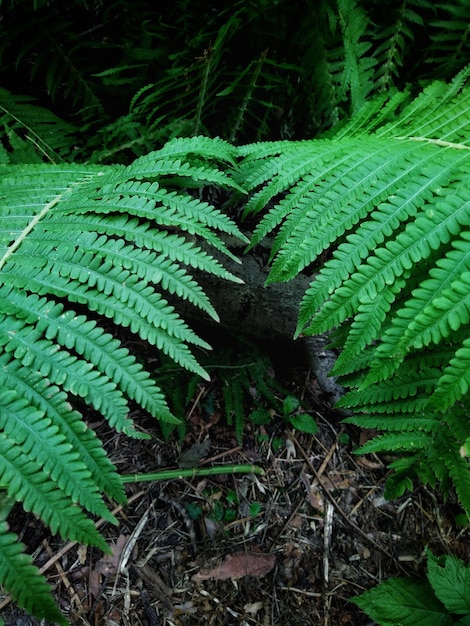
(290, 546)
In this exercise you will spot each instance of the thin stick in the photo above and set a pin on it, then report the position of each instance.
(336, 506)
(6, 601)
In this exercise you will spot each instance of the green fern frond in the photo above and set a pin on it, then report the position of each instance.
(398, 395)
(41, 439)
(441, 221)
(27, 587)
(395, 423)
(458, 469)
(450, 36)
(440, 462)
(367, 325)
(83, 248)
(169, 245)
(76, 376)
(53, 402)
(436, 309)
(396, 41)
(358, 66)
(85, 337)
(455, 380)
(396, 442)
(387, 199)
(26, 481)
(43, 134)
(437, 113)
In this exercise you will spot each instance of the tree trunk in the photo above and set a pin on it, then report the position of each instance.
(267, 314)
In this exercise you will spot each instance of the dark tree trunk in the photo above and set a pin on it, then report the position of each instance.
(267, 314)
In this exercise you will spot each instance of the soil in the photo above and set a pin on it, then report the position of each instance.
(290, 546)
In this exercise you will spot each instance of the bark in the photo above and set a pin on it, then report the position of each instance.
(266, 313)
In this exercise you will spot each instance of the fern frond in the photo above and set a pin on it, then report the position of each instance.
(62, 368)
(80, 245)
(455, 380)
(367, 325)
(27, 587)
(358, 66)
(169, 245)
(396, 41)
(41, 440)
(43, 134)
(450, 36)
(25, 480)
(437, 113)
(53, 402)
(436, 309)
(404, 396)
(396, 442)
(395, 423)
(442, 221)
(387, 199)
(458, 468)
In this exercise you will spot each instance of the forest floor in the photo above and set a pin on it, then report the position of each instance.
(290, 546)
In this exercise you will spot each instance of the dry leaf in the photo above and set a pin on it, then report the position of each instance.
(364, 462)
(253, 608)
(106, 566)
(239, 565)
(314, 494)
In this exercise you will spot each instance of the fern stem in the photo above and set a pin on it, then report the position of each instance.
(438, 142)
(176, 474)
(32, 224)
(203, 90)
(248, 95)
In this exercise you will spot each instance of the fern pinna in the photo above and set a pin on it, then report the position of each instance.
(79, 245)
(387, 197)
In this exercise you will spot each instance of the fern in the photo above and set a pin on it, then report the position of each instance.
(85, 249)
(21, 576)
(32, 133)
(387, 198)
(394, 44)
(450, 36)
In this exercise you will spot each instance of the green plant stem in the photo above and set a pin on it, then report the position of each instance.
(249, 93)
(175, 474)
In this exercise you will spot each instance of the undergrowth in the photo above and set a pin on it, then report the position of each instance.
(357, 128)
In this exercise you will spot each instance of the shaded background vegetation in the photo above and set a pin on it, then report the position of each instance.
(127, 76)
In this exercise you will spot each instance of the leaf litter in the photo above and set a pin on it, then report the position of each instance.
(245, 550)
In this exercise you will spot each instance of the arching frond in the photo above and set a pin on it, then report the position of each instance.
(85, 250)
(387, 200)
(22, 578)
(32, 133)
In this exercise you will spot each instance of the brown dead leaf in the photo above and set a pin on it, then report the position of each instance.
(314, 494)
(107, 566)
(239, 565)
(366, 463)
(335, 481)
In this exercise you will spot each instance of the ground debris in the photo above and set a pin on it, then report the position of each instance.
(237, 566)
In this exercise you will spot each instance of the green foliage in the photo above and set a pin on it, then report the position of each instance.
(92, 253)
(291, 411)
(387, 198)
(442, 600)
(297, 419)
(85, 250)
(248, 386)
(32, 134)
(130, 76)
